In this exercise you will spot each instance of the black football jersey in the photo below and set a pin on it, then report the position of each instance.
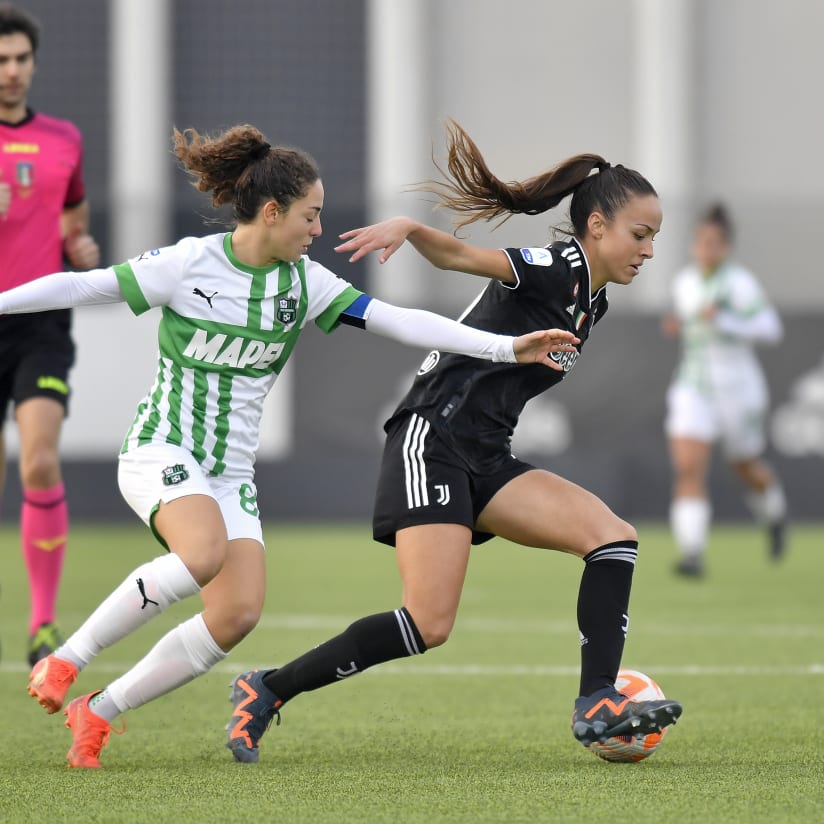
(473, 404)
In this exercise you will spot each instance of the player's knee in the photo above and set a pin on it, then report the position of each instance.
(235, 622)
(39, 469)
(204, 556)
(609, 531)
(435, 631)
(243, 620)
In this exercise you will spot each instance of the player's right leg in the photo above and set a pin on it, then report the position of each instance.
(432, 560)
(690, 510)
(541, 509)
(153, 586)
(232, 601)
(430, 525)
(692, 426)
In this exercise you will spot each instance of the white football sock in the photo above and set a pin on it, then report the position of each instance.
(144, 594)
(769, 506)
(690, 523)
(177, 658)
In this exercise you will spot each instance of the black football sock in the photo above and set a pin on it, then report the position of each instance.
(603, 619)
(369, 641)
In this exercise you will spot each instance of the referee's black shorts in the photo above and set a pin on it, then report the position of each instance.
(36, 355)
(422, 481)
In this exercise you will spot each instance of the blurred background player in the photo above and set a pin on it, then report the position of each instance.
(448, 478)
(718, 392)
(44, 219)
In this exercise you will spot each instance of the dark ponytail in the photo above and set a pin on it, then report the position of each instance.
(470, 188)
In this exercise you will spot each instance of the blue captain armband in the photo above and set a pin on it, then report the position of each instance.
(356, 313)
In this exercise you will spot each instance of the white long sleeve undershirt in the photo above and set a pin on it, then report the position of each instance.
(63, 290)
(417, 327)
(413, 327)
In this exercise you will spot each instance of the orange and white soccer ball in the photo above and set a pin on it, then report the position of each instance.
(639, 687)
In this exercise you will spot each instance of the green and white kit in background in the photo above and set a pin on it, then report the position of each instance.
(719, 390)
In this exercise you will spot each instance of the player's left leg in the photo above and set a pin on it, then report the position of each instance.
(432, 561)
(765, 498)
(541, 509)
(744, 441)
(232, 600)
(44, 517)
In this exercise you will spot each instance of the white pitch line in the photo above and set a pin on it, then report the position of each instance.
(337, 623)
(417, 668)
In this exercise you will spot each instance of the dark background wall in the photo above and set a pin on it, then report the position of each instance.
(612, 404)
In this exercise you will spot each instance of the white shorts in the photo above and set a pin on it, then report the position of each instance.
(736, 422)
(159, 473)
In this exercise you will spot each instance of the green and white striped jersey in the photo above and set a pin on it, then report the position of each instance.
(723, 315)
(226, 332)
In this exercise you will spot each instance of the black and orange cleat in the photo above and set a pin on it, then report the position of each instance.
(608, 713)
(255, 705)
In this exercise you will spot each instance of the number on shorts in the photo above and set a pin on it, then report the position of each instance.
(248, 499)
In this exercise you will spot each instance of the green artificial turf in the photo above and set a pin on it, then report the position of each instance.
(476, 731)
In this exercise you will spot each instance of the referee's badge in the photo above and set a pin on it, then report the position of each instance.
(287, 310)
(25, 177)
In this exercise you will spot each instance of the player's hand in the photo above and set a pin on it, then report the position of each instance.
(387, 235)
(5, 198)
(537, 347)
(81, 249)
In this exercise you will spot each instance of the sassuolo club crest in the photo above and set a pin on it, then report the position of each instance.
(287, 310)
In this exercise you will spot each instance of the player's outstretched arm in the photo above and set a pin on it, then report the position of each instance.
(442, 250)
(417, 327)
(62, 290)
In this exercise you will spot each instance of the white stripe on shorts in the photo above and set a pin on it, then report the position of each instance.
(413, 465)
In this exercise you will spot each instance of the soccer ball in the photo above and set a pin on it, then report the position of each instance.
(626, 748)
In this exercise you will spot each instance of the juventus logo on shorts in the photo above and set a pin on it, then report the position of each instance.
(443, 494)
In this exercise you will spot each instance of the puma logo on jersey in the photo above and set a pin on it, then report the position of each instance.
(207, 298)
(237, 352)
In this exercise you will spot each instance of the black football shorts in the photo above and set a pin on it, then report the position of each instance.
(422, 481)
(36, 355)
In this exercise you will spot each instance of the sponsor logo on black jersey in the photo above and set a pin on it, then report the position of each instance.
(176, 474)
(430, 362)
(566, 360)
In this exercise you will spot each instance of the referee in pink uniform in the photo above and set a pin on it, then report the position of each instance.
(44, 218)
